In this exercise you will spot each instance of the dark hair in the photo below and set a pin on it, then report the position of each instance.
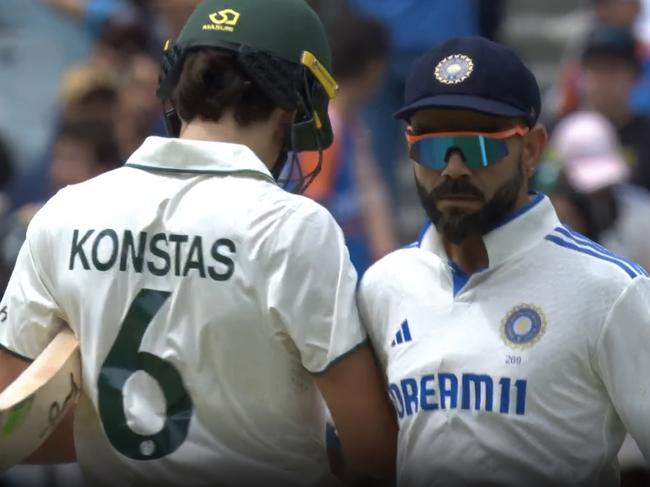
(356, 41)
(126, 35)
(581, 203)
(99, 135)
(211, 84)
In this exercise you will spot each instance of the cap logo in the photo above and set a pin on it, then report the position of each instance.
(454, 69)
(224, 20)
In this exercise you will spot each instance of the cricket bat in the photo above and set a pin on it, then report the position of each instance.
(33, 404)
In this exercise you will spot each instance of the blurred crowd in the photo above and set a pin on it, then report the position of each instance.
(77, 96)
(598, 164)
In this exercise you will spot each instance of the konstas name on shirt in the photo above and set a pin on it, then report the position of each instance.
(160, 253)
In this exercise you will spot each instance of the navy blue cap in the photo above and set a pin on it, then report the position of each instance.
(472, 73)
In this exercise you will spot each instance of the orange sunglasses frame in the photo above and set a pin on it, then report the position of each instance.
(411, 138)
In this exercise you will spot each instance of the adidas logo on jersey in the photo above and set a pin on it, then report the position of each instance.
(403, 335)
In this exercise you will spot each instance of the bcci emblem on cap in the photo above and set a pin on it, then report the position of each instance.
(454, 69)
(523, 326)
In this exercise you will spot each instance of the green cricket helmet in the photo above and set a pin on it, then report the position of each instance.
(280, 44)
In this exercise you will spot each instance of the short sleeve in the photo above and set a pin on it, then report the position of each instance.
(29, 314)
(311, 291)
(623, 360)
(373, 310)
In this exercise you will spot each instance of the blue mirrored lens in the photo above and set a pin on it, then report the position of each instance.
(477, 151)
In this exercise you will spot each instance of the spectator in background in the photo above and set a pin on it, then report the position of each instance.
(82, 149)
(117, 82)
(592, 162)
(161, 19)
(120, 39)
(413, 25)
(574, 209)
(642, 26)
(93, 13)
(350, 185)
(171, 14)
(565, 97)
(36, 48)
(610, 70)
(139, 111)
(641, 95)
(86, 92)
(490, 16)
(619, 13)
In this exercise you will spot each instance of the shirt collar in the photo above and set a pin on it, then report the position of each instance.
(517, 233)
(197, 156)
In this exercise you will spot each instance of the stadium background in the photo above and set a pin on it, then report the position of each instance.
(77, 82)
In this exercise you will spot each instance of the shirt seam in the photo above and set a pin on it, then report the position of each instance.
(17, 355)
(603, 461)
(42, 276)
(341, 357)
(215, 172)
(605, 325)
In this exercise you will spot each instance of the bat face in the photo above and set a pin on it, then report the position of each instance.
(32, 405)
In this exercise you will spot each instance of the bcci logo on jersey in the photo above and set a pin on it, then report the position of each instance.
(523, 326)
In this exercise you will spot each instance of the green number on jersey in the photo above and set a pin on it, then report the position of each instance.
(124, 359)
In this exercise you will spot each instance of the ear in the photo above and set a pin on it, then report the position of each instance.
(281, 119)
(285, 117)
(534, 146)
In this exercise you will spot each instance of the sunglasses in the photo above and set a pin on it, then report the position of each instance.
(478, 149)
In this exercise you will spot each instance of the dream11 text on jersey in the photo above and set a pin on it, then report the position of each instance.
(161, 253)
(413, 394)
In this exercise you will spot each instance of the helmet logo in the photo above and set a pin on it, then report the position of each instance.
(454, 69)
(224, 20)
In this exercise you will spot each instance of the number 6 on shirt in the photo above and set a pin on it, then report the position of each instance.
(123, 360)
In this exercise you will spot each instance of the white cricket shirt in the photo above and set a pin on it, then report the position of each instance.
(203, 296)
(528, 372)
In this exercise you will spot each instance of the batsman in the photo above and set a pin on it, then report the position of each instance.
(213, 309)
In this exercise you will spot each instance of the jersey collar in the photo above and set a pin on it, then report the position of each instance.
(197, 156)
(516, 234)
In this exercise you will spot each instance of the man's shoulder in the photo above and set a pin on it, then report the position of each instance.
(297, 204)
(296, 226)
(113, 183)
(81, 194)
(81, 203)
(393, 268)
(407, 254)
(296, 213)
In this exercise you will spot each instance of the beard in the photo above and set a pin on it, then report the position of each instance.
(457, 224)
